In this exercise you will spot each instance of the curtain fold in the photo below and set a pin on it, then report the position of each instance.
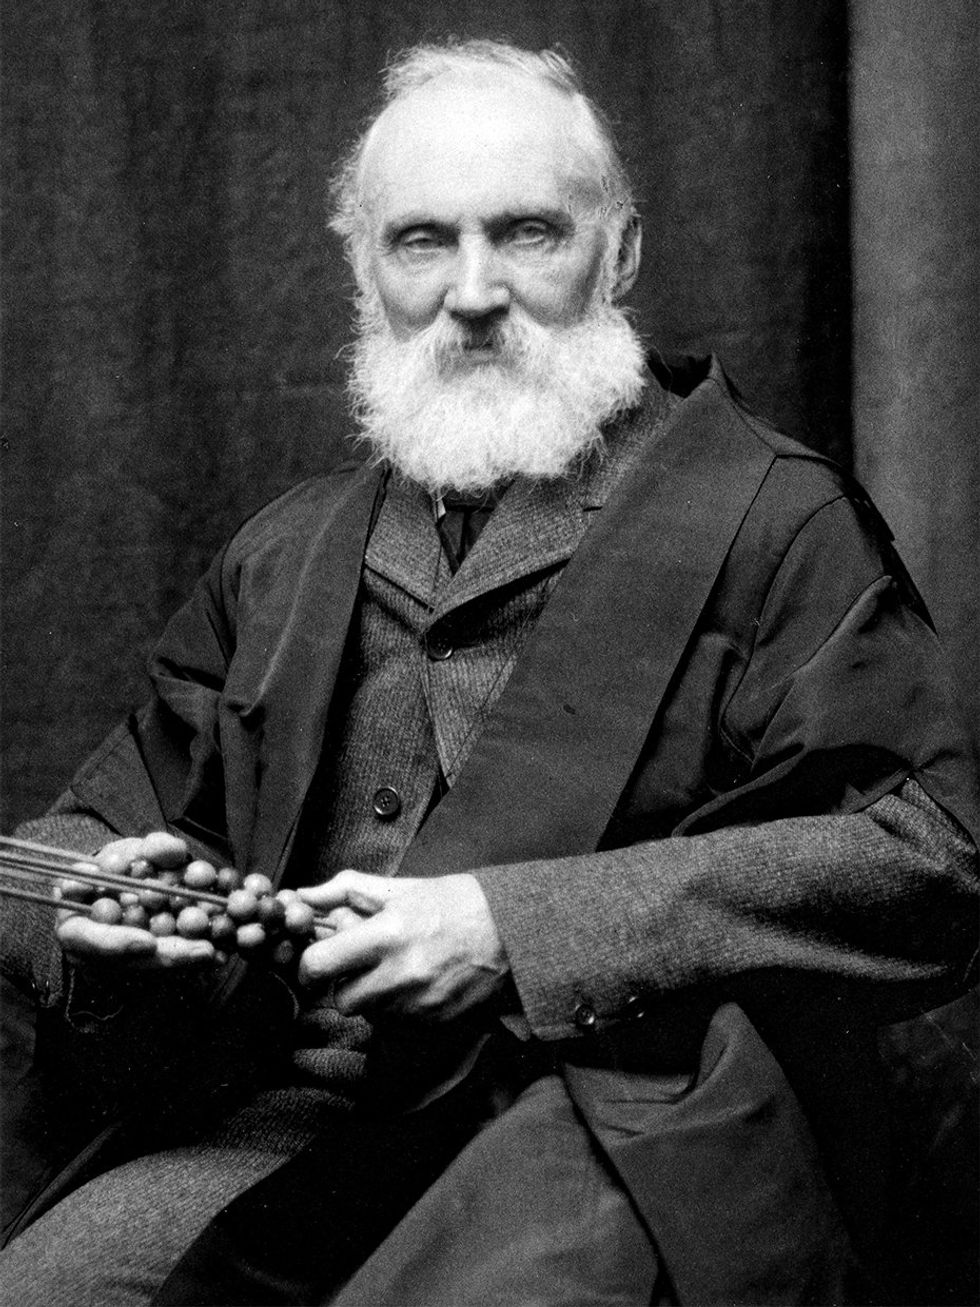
(915, 152)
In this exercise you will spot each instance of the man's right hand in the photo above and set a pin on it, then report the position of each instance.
(127, 948)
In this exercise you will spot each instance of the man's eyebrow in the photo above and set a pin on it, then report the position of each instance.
(555, 216)
(402, 223)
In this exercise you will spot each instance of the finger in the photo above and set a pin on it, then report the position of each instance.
(116, 857)
(175, 952)
(89, 940)
(354, 949)
(159, 848)
(164, 850)
(352, 889)
(342, 918)
(384, 989)
(361, 995)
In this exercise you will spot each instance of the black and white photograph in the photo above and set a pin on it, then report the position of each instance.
(490, 703)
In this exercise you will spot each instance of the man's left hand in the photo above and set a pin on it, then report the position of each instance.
(418, 947)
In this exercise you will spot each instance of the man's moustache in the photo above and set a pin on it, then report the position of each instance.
(502, 345)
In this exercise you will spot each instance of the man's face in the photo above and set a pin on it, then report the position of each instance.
(488, 346)
(481, 203)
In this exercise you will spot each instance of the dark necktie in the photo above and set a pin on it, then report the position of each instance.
(464, 518)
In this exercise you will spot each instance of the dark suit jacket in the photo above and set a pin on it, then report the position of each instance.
(732, 654)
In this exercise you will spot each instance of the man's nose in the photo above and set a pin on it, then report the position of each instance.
(478, 287)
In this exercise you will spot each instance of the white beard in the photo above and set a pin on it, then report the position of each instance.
(536, 408)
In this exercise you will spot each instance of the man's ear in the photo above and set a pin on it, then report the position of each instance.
(628, 260)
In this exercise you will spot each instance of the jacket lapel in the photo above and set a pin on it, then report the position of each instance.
(558, 748)
(275, 704)
(405, 547)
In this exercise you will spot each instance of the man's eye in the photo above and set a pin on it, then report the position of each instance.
(530, 233)
(419, 242)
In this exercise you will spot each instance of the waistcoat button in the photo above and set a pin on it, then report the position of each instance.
(438, 645)
(585, 1017)
(387, 802)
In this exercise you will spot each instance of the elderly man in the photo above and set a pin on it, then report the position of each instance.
(610, 735)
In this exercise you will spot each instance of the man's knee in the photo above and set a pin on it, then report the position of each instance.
(116, 1239)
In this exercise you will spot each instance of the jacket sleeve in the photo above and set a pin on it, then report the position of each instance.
(827, 850)
(29, 953)
(883, 899)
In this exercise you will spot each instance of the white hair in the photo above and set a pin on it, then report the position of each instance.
(421, 64)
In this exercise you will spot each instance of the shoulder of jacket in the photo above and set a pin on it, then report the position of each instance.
(800, 481)
(807, 475)
(296, 513)
(799, 469)
(807, 497)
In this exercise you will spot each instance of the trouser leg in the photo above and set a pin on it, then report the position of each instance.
(114, 1240)
(309, 1225)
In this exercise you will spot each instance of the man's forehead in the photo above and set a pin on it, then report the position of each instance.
(512, 138)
